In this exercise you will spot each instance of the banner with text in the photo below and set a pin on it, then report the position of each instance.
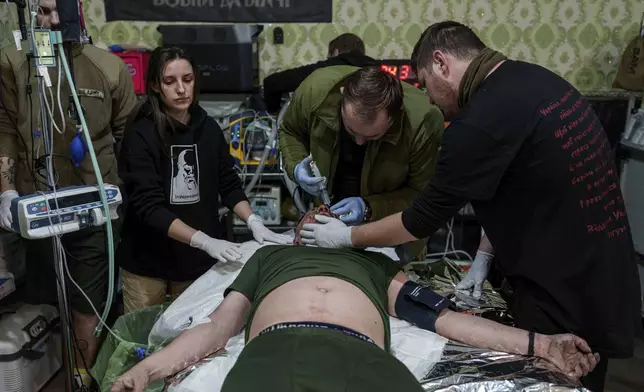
(227, 11)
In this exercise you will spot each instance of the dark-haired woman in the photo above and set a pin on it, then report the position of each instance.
(175, 164)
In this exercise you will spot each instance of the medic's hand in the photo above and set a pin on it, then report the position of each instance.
(350, 210)
(217, 249)
(135, 380)
(5, 209)
(261, 233)
(476, 275)
(570, 353)
(309, 183)
(328, 233)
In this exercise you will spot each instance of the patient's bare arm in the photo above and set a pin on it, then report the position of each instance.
(190, 346)
(570, 353)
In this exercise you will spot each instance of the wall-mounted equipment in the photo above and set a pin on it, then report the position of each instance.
(401, 69)
(227, 55)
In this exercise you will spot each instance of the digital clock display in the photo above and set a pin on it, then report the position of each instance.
(401, 69)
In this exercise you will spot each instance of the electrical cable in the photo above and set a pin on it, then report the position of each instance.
(101, 319)
(68, 317)
(450, 248)
(63, 65)
(49, 111)
(34, 9)
(60, 254)
(269, 146)
(60, 105)
(99, 180)
(49, 164)
(46, 131)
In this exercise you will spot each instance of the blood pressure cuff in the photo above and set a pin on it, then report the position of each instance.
(420, 306)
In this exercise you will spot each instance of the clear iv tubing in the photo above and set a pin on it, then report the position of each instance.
(99, 180)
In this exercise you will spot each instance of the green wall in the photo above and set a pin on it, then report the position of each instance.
(581, 40)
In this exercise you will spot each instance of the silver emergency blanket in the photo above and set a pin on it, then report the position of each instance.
(181, 375)
(465, 369)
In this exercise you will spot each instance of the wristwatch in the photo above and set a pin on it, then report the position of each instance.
(367, 211)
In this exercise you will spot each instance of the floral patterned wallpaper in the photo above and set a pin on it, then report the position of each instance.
(581, 40)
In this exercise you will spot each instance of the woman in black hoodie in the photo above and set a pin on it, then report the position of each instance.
(175, 164)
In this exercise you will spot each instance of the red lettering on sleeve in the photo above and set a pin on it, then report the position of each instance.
(619, 214)
(599, 227)
(568, 94)
(554, 105)
(568, 112)
(590, 157)
(567, 144)
(596, 199)
(609, 204)
(581, 178)
(548, 109)
(577, 151)
(561, 132)
(616, 232)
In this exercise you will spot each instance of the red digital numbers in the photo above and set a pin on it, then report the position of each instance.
(404, 72)
(392, 69)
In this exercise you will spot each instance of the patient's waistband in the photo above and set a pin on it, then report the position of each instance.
(312, 324)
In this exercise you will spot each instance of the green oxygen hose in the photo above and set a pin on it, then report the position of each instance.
(99, 180)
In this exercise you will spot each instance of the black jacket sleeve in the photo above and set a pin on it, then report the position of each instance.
(470, 167)
(287, 81)
(230, 187)
(143, 183)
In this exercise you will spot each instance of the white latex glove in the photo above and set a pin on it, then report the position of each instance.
(261, 233)
(328, 233)
(217, 249)
(5, 209)
(477, 274)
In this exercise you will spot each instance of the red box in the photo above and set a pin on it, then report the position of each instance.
(137, 64)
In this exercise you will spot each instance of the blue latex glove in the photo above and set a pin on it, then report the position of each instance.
(309, 183)
(350, 210)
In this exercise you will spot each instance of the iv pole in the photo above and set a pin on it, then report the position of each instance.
(71, 34)
(65, 316)
(68, 11)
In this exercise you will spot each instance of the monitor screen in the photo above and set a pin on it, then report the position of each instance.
(70, 201)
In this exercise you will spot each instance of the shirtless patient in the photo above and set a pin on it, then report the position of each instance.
(317, 320)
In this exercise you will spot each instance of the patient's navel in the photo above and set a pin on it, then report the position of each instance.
(322, 290)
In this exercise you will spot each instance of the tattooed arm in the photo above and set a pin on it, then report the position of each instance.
(7, 174)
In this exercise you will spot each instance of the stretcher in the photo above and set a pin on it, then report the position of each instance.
(439, 365)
